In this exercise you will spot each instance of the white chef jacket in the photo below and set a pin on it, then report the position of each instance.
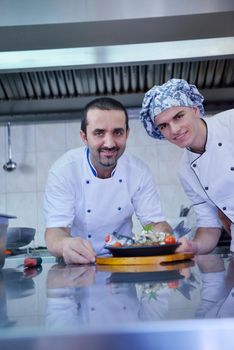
(95, 306)
(208, 178)
(217, 299)
(92, 206)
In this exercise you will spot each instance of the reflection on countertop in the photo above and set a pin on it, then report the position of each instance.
(63, 298)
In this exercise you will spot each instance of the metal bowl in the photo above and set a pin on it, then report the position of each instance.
(3, 232)
(19, 237)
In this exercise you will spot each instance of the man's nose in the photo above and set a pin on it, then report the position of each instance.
(174, 128)
(109, 141)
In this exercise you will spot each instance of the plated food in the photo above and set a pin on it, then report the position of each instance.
(146, 243)
(143, 250)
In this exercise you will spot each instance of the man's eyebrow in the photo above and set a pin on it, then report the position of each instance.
(102, 130)
(119, 129)
(161, 124)
(98, 130)
(177, 113)
(174, 116)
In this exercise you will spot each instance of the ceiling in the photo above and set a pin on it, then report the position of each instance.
(56, 56)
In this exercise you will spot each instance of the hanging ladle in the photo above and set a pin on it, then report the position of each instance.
(10, 165)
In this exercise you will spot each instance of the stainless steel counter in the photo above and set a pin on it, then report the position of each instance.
(185, 305)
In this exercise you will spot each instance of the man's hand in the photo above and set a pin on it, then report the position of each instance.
(60, 276)
(74, 250)
(205, 240)
(77, 250)
(187, 246)
(161, 226)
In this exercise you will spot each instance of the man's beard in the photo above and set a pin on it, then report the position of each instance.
(109, 161)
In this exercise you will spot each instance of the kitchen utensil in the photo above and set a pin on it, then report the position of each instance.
(143, 250)
(180, 231)
(10, 165)
(32, 261)
(142, 277)
(143, 260)
(3, 234)
(184, 211)
(127, 238)
(19, 237)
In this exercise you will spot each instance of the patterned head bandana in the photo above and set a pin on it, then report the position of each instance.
(174, 93)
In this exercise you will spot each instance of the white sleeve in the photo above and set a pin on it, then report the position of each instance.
(59, 201)
(146, 200)
(206, 213)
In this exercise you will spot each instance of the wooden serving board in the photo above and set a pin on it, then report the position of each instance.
(143, 260)
(176, 265)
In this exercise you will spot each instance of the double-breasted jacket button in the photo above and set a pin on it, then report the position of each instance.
(120, 180)
(224, 208)
(87, 181)
(194, 165)
(232, 168)
(88, 210)
(220, 144)
(206, 188)
(119, 208)
(89, 236)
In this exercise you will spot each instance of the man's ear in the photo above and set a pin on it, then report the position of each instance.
(128, 131)
(83, 137)
(197, 111)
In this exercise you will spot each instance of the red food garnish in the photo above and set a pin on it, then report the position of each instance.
(173, 284)
(117, 244)
(170, 240)
(107, 238)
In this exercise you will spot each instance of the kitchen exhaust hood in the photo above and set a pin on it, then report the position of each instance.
(56, 56)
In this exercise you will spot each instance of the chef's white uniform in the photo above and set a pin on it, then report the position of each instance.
(208, 179)
(217, 295)
(75, 197)
(105, 303)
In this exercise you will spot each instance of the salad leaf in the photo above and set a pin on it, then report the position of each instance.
(148, 227)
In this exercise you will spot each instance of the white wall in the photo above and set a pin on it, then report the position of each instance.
(36, 146)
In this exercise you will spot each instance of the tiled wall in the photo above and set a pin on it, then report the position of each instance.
(36, 146)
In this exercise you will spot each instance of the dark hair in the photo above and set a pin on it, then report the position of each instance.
(105, 104)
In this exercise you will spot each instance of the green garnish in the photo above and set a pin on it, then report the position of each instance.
(148, 227)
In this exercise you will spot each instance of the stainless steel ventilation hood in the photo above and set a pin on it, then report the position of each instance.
(55, 56)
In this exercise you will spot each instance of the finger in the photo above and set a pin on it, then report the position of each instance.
(78, 251)
(87, 253)
(85, 249)
(73, 257)
(89, 247)
(182, 248)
